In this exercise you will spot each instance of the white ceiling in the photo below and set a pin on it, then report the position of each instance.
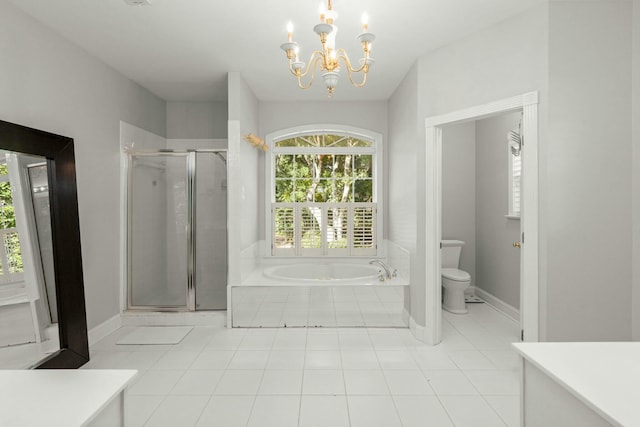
(182, 49)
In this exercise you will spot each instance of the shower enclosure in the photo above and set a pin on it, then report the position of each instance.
(177, 230)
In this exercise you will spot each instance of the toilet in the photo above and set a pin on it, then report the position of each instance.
(454, 280)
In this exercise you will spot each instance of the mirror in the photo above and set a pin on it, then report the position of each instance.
(42, 308)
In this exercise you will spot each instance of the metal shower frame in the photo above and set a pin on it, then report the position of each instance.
(190, 156)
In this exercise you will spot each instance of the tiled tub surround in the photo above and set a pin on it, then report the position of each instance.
(261, 301)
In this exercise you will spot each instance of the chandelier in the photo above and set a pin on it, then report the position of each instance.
(329, 58)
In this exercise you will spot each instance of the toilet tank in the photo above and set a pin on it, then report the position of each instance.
(450, 253)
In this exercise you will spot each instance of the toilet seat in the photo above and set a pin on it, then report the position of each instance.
(455, 274)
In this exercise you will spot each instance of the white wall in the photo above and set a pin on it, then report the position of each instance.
(402, 200)
(197, 120)
(578, 56)
(588, 155)
(497, 261)
(244, 192)
(371, 115)
(49, 83)
(505, 60)
(635, 124)
(459, 191)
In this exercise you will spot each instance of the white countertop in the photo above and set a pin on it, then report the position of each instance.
(604, 376)
(57, 397)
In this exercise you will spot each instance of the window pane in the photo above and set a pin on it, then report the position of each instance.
(7, 215)
(14, 255)
(322, 190)
(328, 164)
(303, 190)
(322, 140)
(289, 142)
(284, 236)
(363, 190)
(345, 141)
(343, 190)
(342, 166)
(363, 166)
(284, 166)
(310, 228)
(284, 190)
(305, 164)
(310, 141)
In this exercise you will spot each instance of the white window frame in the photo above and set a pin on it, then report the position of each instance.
(376, 150)
(512, 213)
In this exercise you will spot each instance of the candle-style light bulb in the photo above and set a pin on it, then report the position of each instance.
(297, 51)
(289, 31)
(365, 23)
(322, 12)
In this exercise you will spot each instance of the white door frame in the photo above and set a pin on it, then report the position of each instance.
(528, 103)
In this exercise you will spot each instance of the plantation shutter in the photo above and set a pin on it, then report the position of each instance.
(364, 230)
(515, 184)
(284, 227)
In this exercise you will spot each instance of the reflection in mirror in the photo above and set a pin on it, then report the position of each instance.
(28, 309)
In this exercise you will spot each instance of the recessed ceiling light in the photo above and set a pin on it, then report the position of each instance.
(138, 2)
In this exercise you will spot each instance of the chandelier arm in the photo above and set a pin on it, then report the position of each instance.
(342, 53)
(351, 71)
(313, 69)
(312, 60)
(362, 83)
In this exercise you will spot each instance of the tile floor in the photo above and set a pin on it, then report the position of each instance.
(324, 376)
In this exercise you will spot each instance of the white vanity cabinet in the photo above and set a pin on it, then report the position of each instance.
(63, 398)
(580, 384)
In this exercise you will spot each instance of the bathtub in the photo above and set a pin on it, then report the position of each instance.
(331, 273)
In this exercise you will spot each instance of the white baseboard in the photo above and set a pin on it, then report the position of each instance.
(105, 328)
(418, 331)
(506, 309)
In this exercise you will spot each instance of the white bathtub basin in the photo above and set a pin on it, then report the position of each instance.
(335, 272)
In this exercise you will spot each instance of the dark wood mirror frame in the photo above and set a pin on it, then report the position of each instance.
(65, 229)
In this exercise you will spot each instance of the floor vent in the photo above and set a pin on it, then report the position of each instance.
(472, 299)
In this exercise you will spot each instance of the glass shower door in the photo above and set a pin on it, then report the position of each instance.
(158, 230)
(211, 230)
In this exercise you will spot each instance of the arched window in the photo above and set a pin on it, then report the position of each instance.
(323, 187)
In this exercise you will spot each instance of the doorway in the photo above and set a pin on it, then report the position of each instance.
(177, 230)
(528, 103)
(481, 175)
